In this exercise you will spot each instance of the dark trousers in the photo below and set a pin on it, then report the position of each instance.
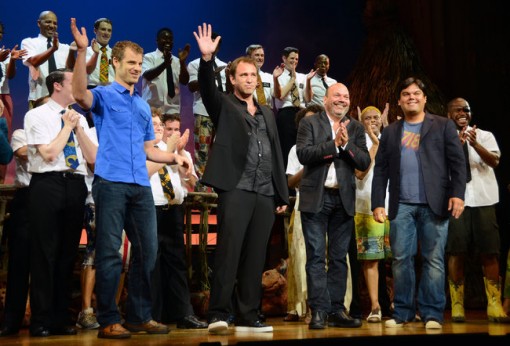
(287, 130)
(56, 209)
(326, 288)
(170, 291)
(245, 220)
(19, 259)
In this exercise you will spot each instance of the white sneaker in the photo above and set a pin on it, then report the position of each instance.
(433, 325)
(375, 316)
(393, 324)
(217, 327)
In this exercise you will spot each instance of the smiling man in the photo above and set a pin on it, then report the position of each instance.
(477, 229)
(121, 188)
(330, 145)
(163, 73)
(421, 158)
(45, 54)
(99, 55)
(264, 91)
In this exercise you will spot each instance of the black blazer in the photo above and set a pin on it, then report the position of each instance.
(227, 157)
(316, 150)
(441, 161)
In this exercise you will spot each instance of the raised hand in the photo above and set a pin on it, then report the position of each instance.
(94, 45)
(17, 54)
(205, 42)
(80, 38)
(183, 140)
(278, 70)
(183, 53)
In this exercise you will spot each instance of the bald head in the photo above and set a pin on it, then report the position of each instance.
(337, 101)
(47, 23)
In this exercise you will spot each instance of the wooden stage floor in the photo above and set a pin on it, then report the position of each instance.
(476, 330)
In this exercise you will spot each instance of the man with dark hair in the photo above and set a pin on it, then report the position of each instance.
(289, 99)
(52, 131)
(245, 167)
(99, 54)
(422, 159)
(477, 228)
(121, 188)
(163, 73)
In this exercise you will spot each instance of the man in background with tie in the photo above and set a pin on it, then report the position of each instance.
(59, 148)
(45, 54)
(99, 55)
(476, 230)
(264, 91)
(317, 81)
(171, 296)
(288, 93)
(204, 132)
(163, 73)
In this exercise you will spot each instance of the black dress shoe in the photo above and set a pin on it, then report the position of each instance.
(66, 330)
(342, 319)
(319, 320)
(39, 332)
(8, 330)
(191, 322)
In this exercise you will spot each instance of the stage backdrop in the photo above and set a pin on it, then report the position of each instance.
(332, 27)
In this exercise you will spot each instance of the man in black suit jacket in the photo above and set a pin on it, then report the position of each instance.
(245, 168)
(422, 158)
(330, 145)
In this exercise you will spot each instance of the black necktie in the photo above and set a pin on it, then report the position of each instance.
(466, 156)
(170, 81)
(52, 66)
(1, 74)
(326, 86)
(217, 75)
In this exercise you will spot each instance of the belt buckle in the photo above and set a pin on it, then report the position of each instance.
(165, 207)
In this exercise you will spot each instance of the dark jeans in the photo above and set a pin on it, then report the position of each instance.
(326, 288)
(130, 207)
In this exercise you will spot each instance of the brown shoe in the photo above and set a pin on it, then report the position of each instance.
(151, 327)
(113, 331)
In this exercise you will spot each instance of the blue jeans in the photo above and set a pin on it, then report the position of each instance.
(417, 224)
(326, 288)
(130, 207)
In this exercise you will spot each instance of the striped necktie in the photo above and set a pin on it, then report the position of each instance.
(103, 67)
(166, 183)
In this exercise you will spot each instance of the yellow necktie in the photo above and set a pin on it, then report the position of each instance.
(166, 183)
(294, 94)
(103, 67)
(261, 96)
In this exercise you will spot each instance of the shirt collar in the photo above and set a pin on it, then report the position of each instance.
(121, 89)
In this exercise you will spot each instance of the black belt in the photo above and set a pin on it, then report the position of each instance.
(63, 174)
(165, 207)
(331, 190)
